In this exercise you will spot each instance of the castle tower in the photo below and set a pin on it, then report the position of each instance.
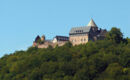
(36, 41)
(93, 25)
(37, 38)
(43, 38)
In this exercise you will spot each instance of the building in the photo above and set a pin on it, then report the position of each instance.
(77, 35)
(60, 39)
(81, 35)
(43, 43)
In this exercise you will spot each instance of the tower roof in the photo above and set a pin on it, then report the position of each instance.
(92, 23)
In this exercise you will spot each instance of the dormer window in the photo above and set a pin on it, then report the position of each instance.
(79, 31)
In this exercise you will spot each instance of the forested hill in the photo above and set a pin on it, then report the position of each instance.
(107, 59)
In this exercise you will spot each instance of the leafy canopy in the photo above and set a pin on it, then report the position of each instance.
(99, 60)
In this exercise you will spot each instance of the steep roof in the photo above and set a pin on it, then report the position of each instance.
(84, 29)
(62, 38)
(37, 38)
(92, 23)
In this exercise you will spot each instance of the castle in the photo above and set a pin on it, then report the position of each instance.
(77, 35)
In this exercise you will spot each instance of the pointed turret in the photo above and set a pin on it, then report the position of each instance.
(92, 23)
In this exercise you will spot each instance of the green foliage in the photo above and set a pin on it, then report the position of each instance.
(68, 44)
(99, 60)
(115, 35)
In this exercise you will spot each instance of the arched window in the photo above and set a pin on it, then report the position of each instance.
(81, 40)
(84, 39)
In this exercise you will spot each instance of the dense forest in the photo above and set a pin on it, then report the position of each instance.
(107, 59)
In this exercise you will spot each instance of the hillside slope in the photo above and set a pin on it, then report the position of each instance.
(99, 60)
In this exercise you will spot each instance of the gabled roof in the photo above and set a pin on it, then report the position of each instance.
(92, 23)
(62, 38)
(77, 30)
(84, 29)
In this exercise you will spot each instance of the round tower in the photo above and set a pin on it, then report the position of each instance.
(43, 38)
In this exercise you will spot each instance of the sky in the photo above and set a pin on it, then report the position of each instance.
(22, 20)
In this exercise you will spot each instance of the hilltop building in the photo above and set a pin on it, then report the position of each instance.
(43, 43)
(60, 39)
(81, 35)
(77, 35)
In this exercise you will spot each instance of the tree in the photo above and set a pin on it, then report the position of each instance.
(68, 44)
(98, 60)
(115, 35)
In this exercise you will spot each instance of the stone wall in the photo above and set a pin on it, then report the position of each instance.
(47, 44)
(81, 39)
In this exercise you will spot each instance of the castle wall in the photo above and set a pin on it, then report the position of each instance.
(78, 39)
(47, 44)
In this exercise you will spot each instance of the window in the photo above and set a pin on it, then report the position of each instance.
(79, 31)
(73, 40)
(81, 40)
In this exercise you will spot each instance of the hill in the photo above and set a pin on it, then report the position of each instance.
(107, 59)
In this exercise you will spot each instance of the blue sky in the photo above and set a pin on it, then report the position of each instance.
(22, 20)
